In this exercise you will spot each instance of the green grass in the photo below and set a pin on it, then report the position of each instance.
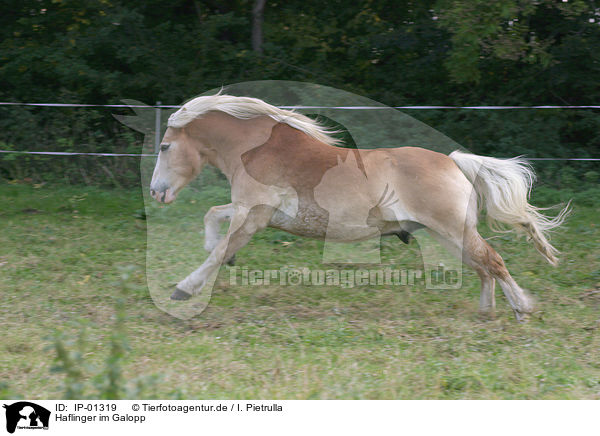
(61, 250)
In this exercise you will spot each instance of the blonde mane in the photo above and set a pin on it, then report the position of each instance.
(245, 108)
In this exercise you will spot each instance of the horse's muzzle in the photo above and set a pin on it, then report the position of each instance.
(166, 196)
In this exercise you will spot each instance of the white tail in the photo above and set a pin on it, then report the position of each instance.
(504, 185)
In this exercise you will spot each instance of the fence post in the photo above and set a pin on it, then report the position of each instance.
(157, 136)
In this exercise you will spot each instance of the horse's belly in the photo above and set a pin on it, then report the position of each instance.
(309, 221)
(314, 222)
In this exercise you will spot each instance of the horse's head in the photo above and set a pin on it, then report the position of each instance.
(179, 162)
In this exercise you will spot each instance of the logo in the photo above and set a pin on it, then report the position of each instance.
(26, 415)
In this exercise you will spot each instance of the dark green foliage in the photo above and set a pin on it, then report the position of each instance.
(450, 52)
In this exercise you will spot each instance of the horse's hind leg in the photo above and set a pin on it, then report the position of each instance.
(478, 254)
(454, 244)
(487, 299)
(488, 264)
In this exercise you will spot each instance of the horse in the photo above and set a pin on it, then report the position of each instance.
(289, 172)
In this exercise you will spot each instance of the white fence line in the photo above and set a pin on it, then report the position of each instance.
(75, 153)
(158, 106)
(164, 106)
(69, 153)
(7, 103)
(438, 107)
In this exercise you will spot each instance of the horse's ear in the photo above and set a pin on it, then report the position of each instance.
(5, 406)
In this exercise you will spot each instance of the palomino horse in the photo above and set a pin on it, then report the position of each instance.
(286, 172)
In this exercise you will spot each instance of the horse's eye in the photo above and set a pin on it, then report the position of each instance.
(164, 147)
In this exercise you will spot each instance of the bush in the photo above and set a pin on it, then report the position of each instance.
(83, 380)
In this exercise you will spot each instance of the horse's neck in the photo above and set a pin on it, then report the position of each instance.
(230, 137)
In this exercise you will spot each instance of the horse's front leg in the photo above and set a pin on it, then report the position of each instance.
(212, 224)
(245, 222)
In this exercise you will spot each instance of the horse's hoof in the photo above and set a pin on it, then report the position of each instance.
(522, 317)
(487, 314)
(180, 295)
(231, 261)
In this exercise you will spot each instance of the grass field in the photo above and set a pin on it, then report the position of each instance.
(61, 250)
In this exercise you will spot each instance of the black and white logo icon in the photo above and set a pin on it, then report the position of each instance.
(26, 415)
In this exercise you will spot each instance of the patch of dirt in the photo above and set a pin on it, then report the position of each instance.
(31, 211)
(591, 295)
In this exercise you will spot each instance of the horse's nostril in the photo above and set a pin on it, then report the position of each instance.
(152, 192)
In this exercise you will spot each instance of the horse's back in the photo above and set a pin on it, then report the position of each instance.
(429, 185)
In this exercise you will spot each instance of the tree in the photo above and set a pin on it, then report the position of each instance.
(257, 24)
(514, 30)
